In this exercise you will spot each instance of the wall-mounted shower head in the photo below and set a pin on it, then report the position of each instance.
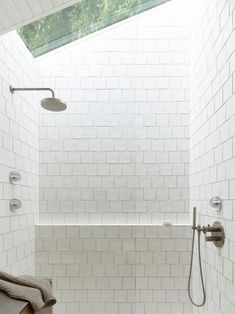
(50, 103)
(53, 104)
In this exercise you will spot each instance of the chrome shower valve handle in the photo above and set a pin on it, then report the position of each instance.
(14, 177)
(217, 234)
(15, 204)
(216, 203)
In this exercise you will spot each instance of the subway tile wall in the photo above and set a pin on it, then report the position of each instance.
(116, 269)
(212, 161)
(19, 150)
(120, 153)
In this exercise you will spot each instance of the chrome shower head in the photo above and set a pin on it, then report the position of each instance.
(50, 103)
(53, 104)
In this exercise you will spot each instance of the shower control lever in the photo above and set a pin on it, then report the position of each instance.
(212, 239)
(211, 229)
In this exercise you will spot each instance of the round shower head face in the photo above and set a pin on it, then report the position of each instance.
(53, 104)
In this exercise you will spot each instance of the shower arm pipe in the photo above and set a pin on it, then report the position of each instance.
(13, 89)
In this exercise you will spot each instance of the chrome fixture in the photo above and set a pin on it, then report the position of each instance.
(194, 227)
(14, 177)
(50, 103)
(217, 237)
(15, 204)
(217, 234)
(216, 203)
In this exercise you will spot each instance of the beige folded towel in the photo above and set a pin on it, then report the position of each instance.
(38, 292)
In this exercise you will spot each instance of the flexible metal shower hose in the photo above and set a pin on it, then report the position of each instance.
(201, 274)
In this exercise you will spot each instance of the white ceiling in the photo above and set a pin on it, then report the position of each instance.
(16, 13)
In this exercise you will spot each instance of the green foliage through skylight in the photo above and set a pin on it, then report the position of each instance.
(79, 20)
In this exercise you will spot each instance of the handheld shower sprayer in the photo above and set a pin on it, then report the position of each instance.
(194, 217)
(217, 237)
(198, 229)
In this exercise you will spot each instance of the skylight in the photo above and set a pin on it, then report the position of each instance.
(79, 20)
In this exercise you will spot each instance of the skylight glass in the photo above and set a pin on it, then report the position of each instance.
(79, 20)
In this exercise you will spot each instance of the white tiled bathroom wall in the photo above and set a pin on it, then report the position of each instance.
(116, 269)
(212, 150)
(119, 154)
(18, 151)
